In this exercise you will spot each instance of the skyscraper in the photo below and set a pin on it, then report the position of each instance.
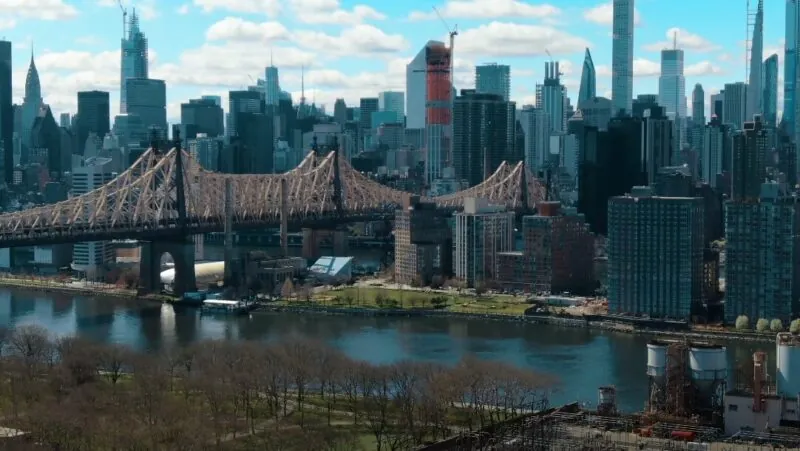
(588, 89)
(205, 115)
(31, 103)
(94, 115)
(134, 58)
(417, 88)
(6, 115)
(672, 84)
(622, 56)
(550, 97)
(272, 87)
(754, 88)
(147, 98)
(790, 64)
(536, 127)
(770, 96)
(340, 112)
(393, 101)
(734, 102)
(493, 78)
(749, 149)
(438, 111)
(241, 102)
(698, 105)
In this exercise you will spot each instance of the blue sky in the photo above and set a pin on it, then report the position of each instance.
(357, 48)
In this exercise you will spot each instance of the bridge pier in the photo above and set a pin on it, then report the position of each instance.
(312, 238)
(182, 252)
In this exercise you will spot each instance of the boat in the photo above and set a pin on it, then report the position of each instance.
(227, 306)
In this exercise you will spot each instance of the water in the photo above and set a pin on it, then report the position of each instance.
(581, 359)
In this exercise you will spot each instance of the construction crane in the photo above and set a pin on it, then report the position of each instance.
(124, 18)
(559, 74)
(453, 33)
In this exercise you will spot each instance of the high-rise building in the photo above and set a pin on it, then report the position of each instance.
(46, 141)
(65, 120)
(588, 89)
(483, 134)
(717, 106)
(438, 111)
(699, 105)
(672, 90)
(755, 90)
(747, 164)
(790, 62)
(340, 112)
(481, 232)
(207, 151)
(393, 101)
(94, 115)
(536, 128)
(659, 143)
(493, 78)
(31, 103)
(272, 86)
(423, 241)
(91, 258)
(134, 57)
(770, 95)
(622, 56)
(550, 97)
(241, 102)
(762, 251)
(147, 98)
(716, 145)
(734, 104)
(367, 107)
(6, 115)
(655, 254)
(417, 87)
(252, 148)
(596, 112)
(207, 117)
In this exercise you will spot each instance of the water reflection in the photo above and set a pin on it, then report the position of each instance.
(581, 359)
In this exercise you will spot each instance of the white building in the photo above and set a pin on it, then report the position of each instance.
(92, 257)
(622, 55)
(482, 231)
(393, 101)
(417, 89)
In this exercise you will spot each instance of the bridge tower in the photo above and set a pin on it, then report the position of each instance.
(312, 238)
(178, 244)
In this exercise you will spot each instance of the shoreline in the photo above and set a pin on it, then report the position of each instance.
(117, 293)
(580, 323)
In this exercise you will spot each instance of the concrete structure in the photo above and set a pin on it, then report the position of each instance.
(93, 257)
(134, 59)
(769, 97)
(588, 87)
(481, 232)
(655, 255)
(622, 55)
(422, 243)
(493, 78)
(332, 269)
(417, 87)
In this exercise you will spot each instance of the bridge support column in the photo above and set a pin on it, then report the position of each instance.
(182, 252)
(340, 243)
(311, 241)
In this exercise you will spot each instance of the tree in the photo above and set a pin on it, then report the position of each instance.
(480, 289)
(287, 290)
(776, 325)
(794, 327)
(742, 322)
(437, 282)
(762, 325)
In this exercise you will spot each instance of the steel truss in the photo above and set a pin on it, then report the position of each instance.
(142, 200)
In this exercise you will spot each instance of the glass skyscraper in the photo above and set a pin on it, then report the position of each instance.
(134, 59)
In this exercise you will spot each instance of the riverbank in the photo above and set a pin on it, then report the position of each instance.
(584, 323)
(77, 288)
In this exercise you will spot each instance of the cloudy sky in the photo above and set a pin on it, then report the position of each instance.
(356, 48)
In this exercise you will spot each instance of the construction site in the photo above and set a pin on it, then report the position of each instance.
(689, 407)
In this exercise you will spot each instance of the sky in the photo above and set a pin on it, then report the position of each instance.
(357, 48)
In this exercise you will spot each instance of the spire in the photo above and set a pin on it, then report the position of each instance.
(33, 88)
(302, 85)
(270, 58)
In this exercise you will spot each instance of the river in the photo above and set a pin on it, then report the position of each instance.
(581, 359)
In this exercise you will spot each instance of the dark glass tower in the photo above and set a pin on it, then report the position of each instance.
(6, 114)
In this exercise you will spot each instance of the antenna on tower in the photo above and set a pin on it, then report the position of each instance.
(675, 40)
(124, 18)
(302, 85)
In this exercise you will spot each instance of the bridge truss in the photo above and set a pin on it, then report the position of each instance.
(142, 202)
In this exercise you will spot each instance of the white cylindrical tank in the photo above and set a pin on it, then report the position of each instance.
(656, 359)
(708, 363)
(788, 371)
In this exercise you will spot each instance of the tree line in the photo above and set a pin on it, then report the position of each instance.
(74, 394)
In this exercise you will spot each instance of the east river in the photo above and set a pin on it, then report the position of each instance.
(580, 359)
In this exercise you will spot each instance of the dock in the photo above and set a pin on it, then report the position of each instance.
(227, 306)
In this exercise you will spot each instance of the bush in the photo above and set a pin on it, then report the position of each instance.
(742, 322)
(762, 325)
(776, 325)
(794, 327)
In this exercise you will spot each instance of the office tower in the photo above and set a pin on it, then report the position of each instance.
(393, 101)
(550, 97)
(483, 134)
(205, 115)
(130, 132)
(252, 147)
(134, 56)
(31, 103)
(438, 111)
(717, 106)
(622, 56)
(367, 106)
(216, 99)
(643, 103)
(755, 89)
(747, 171)
(46, 142)
(241, 102)
(655, 254)
(536, 127)
(91, 258)
(588, 89)
(699, 105)
(6, 115)
(790, 61)
(272, 87)
(493, 78)
(481, 232)
(207, 151)
(659, 143)
(770, 96)
(717, 145)
(340, 112)
(147, 98)
(734, 102)
(761, 255)
(417, 87)
(64, 120)
(596, 112)
(672, 90)
(93, 116)
(423, 241)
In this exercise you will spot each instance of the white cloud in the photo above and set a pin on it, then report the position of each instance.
(488, 9)
(602, 70)
(684, 40)
(645, 68)
(603, 14)
(510, 39)
(236, 29)
(145, 9)
(358, 40)
(702, 68)
(37, 9)
(183, 9)
(7, 24)
(270, 8)
(330, 12)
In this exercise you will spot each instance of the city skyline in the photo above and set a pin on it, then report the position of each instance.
(357, 49)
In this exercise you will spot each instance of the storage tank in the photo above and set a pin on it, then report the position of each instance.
(708, 364)
(656, 359)
(788, 371)
(607, 400)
